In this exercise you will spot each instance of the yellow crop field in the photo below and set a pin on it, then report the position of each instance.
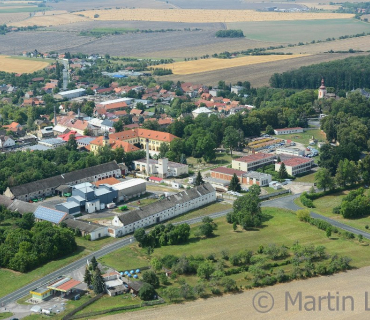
(200, 15)
(55, 18)
(198, 66)
(9, 64)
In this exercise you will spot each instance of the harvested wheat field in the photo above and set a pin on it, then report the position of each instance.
(9, 18)
(9, 64)
(51, 19)
(194, 15)
(240, 306)
(198, 66)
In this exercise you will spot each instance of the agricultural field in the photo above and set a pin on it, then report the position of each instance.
(199, 66)
(258, 74)
(9, 64)
(358, 43)
(52, 19)
(193, 15)
(300, 31)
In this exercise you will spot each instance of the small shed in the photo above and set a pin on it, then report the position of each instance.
(155, 179)
(135, 286)
(36, 309)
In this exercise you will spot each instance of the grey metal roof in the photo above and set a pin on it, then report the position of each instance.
(70, 204)
(50, 215)
(86, 140)
(82, 225)
(38, 147)
(166, 203)
(65, 178)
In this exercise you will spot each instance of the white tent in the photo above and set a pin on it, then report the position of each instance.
(36, 309)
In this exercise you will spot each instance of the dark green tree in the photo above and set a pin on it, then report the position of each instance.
(93, 263)
(147, 292)
(151, 278)
(98, 282)
(231, 138)
(235, 184)
(118, 126)
(323, 179)
(163, 149)
(199, 179)
(27, 221)
(71, 143)
(283, 174)
(87, 277)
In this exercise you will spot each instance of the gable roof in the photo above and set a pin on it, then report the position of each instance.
(166, 203)
(83, 225)
(65, 178)
(51, 215)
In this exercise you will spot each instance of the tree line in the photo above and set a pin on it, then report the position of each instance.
(229, 34)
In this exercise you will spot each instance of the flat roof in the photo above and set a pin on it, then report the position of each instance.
(293, 162)
(64, 284)
(284, 129)
(71, 91)
(255, 157)
(128, 184)
(228, 171)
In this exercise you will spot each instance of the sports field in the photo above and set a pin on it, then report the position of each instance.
(300, 31)
(198, 66)
(196, 15)
(9, 64)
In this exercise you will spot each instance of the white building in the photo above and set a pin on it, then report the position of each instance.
(53, 142)
(162, 210)
(162, 167)
(70, 94)
(201, 110)
(296, 165)
(236, 89)
(288, 130)
(253, 161)
(130, 188)
(6, 142)
(95, 231)
(293, 152)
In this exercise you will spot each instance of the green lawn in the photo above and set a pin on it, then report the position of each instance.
(4, 315)
(305, 136)
(300, 31)
(222, 159)
(282, 228)
(307, 178)
(11, 280)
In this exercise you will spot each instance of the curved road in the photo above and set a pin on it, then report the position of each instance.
(283, 202)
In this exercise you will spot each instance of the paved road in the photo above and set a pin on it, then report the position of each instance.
(283, 202)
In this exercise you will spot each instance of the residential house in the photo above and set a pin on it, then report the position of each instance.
(6, 142)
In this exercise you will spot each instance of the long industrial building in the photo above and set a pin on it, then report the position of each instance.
(48, 186)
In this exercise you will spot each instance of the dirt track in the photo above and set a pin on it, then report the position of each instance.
(240, 306)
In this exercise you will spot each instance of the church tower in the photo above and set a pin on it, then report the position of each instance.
(322, 90)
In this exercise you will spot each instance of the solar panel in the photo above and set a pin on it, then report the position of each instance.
(48, 214)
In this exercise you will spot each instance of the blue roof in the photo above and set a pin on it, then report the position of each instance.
(51, 215)
(119, 76)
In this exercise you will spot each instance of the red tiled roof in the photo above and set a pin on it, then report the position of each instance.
(68, 285)
(296, 161)
(136, 111)
(110, 181)
(155, 179)
(255, 157)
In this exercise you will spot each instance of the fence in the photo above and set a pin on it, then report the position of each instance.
(82, 306)
(134, 306)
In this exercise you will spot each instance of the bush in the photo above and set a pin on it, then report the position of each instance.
(336, 210)
(303, 215)
(306, 201)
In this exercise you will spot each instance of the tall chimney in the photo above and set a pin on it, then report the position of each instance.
(55, 117)
(147, 156)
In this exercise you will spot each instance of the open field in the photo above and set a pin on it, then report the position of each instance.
(50, 20)
(358, 43)
(7, 18)
(193, 15)
(235, 306)
(300, 31)
(258, 74)
(9, 64)
(198, 66)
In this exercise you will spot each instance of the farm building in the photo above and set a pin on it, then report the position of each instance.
(130, 188)
(296, 165)
(162, 210)
(47, 187)
(47, 214)
(288, 130)
(70, 94)
(253, 161)
(162, 167)
(95, 231)
(246, 178)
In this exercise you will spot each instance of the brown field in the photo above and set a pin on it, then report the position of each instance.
(54, 18)
(7, 18)
(358, 43)
(9, 64)
(199, 66)
(240, 306)
(194, 15)
(258, 74)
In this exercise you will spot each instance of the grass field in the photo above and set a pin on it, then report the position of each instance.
(194, 15)
(9, 64)
(300, 31)
(305, 136)
(198, 66)
(4, 315)
(307, 178)
(11, 280)
(282, 228)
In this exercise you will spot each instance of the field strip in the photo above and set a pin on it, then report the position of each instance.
(199, 66)
(9, 64)
(200, 15)
(58, 18)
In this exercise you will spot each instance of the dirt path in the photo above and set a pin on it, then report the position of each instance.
(352, 285)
